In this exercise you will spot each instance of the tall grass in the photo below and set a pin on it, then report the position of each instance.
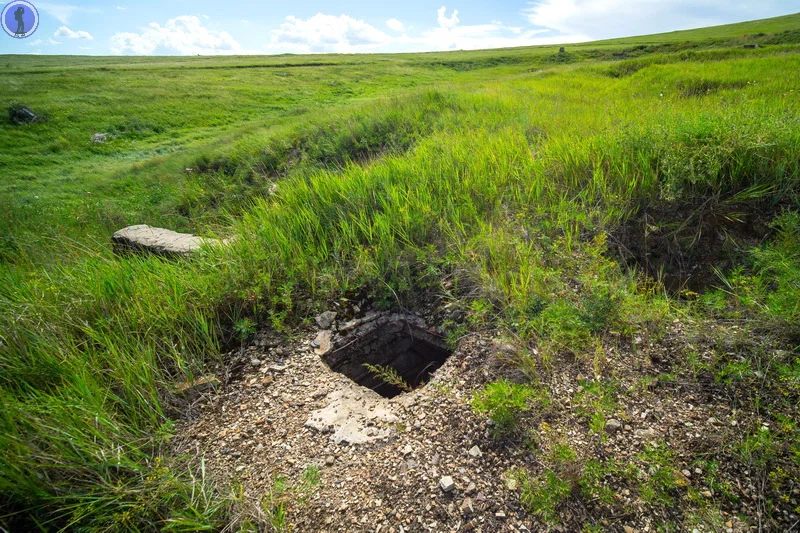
(513, 185)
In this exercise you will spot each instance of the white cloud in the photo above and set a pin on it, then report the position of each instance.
(39, 42)
(327, 33)
(478, 36)
(395, 25)
(444, 21)
(122, 8)
(184, 35)
(63, 31)
(601, 19)
(343, 34)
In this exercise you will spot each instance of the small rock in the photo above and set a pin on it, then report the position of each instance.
(407, 449)
(325, 320)
(322, 344)
(471, 488)
(19, 115)
(144, 238)
(500, 515)
(350, 324)
(447, 484)
(456, 315)
(628, 529)
(330, 460)
(613, 425)
(475, 452)
(466, 506)
(645, 433)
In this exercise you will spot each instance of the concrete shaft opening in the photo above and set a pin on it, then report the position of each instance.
(387, 349)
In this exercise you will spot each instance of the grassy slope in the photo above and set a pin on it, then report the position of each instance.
(469, 151)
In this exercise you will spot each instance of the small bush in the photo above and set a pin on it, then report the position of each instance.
(543, 494)
(505, 402)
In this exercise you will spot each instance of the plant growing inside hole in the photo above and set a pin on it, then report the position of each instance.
(389, 375)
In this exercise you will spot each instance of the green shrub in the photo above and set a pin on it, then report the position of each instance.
(505, 402)
(543, 495)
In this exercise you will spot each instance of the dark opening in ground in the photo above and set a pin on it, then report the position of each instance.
(390, 349)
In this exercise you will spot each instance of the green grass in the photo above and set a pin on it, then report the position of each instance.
(514, 169)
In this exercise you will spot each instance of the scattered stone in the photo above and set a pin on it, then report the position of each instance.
(144, 238)
(325, 320)
(392, 482)
(101, 138)
(447, 484)
(19, 115)
(613, 425)
(456, 315)
(322, 343)
(647, 434)
(350, 324)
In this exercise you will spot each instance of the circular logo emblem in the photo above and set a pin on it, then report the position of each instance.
(20, 19)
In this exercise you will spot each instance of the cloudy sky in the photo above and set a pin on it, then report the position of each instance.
(191, 27)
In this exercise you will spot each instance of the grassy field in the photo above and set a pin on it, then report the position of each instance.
(574, 197)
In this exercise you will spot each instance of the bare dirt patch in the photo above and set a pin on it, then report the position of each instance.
(422, 461)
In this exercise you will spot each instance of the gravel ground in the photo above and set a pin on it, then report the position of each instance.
(436, 467)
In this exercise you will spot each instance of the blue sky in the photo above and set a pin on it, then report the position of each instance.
(191, 27)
